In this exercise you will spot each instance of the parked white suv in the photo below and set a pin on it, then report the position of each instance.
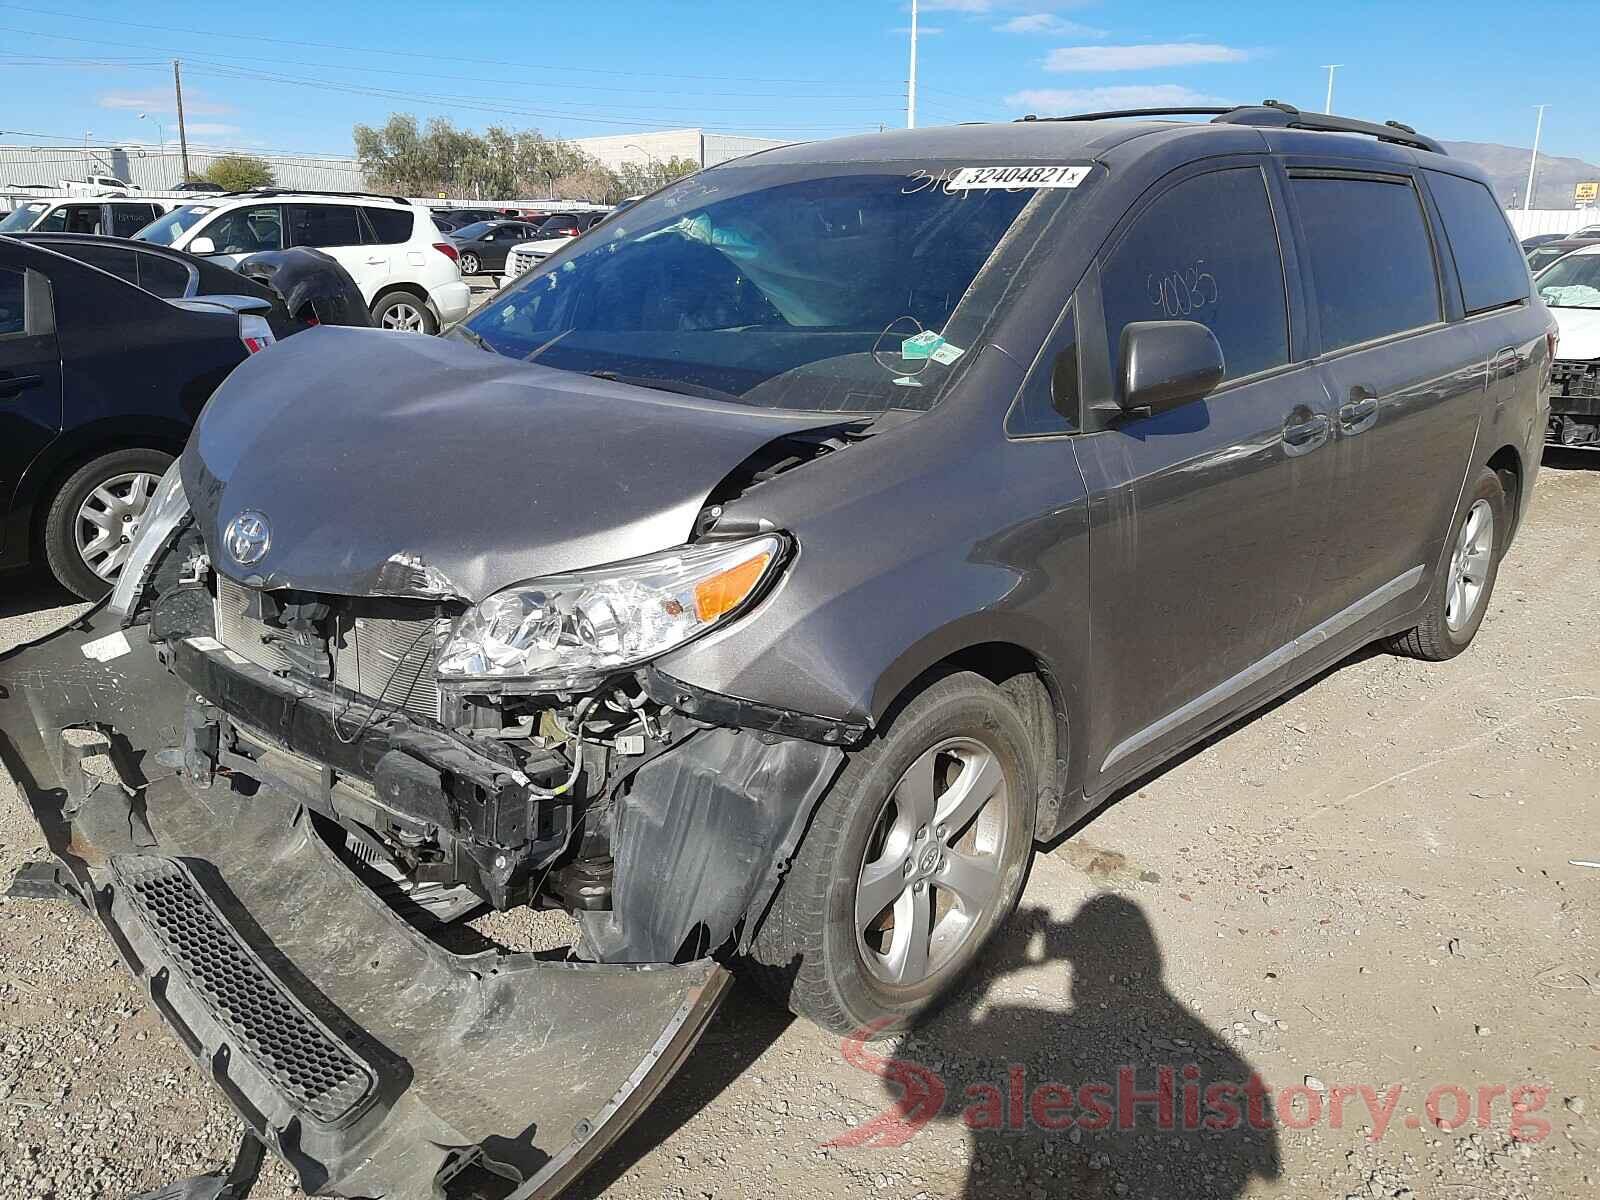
(406, 269)
(108, 217)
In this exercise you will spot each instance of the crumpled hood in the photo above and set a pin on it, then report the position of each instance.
(1580, 333)
(401, 465)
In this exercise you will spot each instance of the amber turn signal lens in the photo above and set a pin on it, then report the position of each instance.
(726, 590)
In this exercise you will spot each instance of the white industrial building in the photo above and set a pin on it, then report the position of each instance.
(708, 149)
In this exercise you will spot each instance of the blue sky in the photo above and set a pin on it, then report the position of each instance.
(295, 77)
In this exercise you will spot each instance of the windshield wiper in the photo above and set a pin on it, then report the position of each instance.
(474, 337)
(677, 387)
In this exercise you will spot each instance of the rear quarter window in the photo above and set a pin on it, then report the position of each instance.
(163, 277)
(1488, 259)
(1371, 258)
(390, 226)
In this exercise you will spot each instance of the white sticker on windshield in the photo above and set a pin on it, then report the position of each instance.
(1057, 175)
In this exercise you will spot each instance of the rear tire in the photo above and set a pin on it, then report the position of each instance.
(1460, 596)
(404, 312)
(93, 502)
(878, 835)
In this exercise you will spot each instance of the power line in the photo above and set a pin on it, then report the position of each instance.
(409, 73)
(629, 120)
(548, 66)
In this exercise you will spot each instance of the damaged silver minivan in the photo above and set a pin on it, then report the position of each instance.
(758, 580)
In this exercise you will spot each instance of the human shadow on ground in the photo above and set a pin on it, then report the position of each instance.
(1127, 1094)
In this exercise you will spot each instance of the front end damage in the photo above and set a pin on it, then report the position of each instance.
(277, 810)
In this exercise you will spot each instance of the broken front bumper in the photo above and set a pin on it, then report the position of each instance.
(371, 1059)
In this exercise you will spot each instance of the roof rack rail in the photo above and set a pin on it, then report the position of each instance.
(1274, 114)
(268, 192)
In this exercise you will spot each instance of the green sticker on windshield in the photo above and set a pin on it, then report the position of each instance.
(922, 345)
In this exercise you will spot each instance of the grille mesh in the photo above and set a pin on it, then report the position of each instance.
(378, 657)
(313, 1072)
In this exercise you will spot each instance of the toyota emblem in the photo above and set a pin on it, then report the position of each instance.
(247, 538)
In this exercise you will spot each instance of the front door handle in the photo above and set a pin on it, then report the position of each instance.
(1360, 412)
(11, 385)
(1304, 431)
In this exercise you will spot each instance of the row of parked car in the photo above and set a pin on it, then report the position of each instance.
(1566, 272)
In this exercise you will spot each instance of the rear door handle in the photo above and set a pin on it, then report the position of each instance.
(14, 384)
(1360, 412)
(376, 262)
(1304, 431)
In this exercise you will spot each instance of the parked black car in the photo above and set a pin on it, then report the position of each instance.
(484, 245)
(100, 382)
(759, 579)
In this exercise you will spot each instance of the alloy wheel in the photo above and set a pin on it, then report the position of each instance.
(404, 316)
(469, 264)
(1469, 566)
(109, 518)
(932, 868)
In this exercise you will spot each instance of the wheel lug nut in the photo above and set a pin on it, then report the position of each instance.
(922, 834)
(941, 831)
(919, 885)
(907, 870)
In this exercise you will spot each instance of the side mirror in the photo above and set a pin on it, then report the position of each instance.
(202, 246)
(1166, 364)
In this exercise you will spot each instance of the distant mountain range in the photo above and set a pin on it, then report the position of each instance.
(1507, 168)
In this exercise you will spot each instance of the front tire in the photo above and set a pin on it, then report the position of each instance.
(917, 855)
(90, 524)
(1460, 595)
(469, 264)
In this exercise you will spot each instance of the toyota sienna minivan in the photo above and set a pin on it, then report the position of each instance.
(759, 579)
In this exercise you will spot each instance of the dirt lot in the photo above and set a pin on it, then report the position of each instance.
(1365, 887)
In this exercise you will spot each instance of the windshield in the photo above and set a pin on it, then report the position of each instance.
(1574, 282)
(22, 218)
(820, 286)
(476, 230)
(163, 231)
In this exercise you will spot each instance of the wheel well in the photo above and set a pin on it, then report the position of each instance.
(388, 290)
(1507, 464)
(64, 469)
(1035, 692)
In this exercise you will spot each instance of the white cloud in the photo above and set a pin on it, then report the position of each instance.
(966, 6)
(1141, 58)
(1048, 23)
(159, 102)
(1101, 99)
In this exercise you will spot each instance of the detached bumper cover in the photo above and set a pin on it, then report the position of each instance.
(372, 1060)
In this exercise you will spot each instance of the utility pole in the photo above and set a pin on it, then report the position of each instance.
(1538, 128)
(911, 81)
(183, 137)
(1330, 68)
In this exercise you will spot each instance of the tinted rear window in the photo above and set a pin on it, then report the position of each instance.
(1371, 260)
(324, 225)
(1492, 269)
(1207, 251)
(113, 259)
(128, 219)
(390, 226)
(162, 276)
(12, 295)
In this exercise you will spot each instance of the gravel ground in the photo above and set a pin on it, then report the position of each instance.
(1366, 886)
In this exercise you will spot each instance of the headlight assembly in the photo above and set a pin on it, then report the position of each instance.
(566, 631)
